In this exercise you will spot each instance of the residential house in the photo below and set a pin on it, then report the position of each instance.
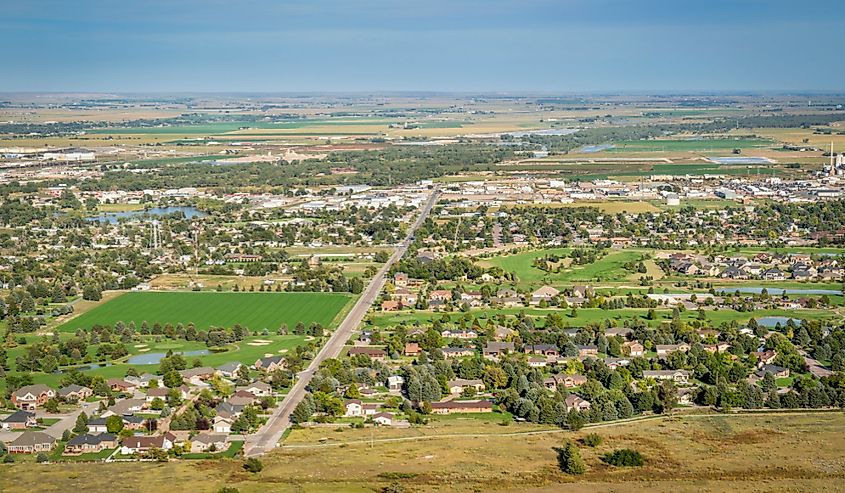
(196, 376)
(19, 420)
(74, 393)
(206, 442)
(545, 293)
(506, 297)
(572, 381)
(664, 349)
(719, 347)
(383, 419)
(241, 399)
(678, 376)
(577, 403)
(229, 370)
(587, 350)
(395, 383)
(270, 363)
(391, 306)
(459, 334)
(141, 444)
(161, 393)
(90, 443)
(31, 442)
(471, 298)
(120, 385)
(633, 348)
(97, 425)
(775, 370)
(412, 349)
(458, 385)
(443, 295)
(125, 407)
(615, 363)
(501, 333)
(400, 280)
(222, 424)
(538, 361)
(619, 331)
(227, 409)
(582, 291)
(765, 357)
(258, 389)
(374, 353)
(142, 381)
(456, 352)
(30, 397)
(450, 407)
(543, 349)
(354, 408)
(494, 350)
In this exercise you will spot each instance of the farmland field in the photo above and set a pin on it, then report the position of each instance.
(255, 311)
(690, 145)
(700, 452)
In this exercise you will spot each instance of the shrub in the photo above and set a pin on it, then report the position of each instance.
(393, 488)
(592, 440)
(624, 457)
(228, 489)
(253, 465)
(42, 457)
(569, 459)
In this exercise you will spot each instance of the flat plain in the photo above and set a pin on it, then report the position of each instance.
(761, 452)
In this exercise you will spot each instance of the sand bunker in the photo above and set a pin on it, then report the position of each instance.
(256, 343)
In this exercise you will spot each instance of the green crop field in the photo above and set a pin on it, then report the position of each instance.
(666, 145)
(255, 311)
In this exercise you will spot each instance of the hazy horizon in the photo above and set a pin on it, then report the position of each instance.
(473, 46)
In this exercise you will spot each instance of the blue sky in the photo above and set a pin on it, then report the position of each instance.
(429, 45)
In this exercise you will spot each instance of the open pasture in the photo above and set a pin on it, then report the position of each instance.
(718, 453)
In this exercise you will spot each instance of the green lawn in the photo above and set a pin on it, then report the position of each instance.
(246, 351)
(56, 455)
(255, 311)
(607, 268)
(589, 315)
(234, 448)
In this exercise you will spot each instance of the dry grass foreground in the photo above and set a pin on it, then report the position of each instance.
(750, 453)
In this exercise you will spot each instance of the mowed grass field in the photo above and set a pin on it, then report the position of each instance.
(714, 453)
(586, 316)
(608, 268)
(255, 311)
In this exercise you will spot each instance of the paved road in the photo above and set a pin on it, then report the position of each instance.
(268, 436)
(66, 421)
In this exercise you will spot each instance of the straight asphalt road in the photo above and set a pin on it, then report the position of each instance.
(269, 435)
